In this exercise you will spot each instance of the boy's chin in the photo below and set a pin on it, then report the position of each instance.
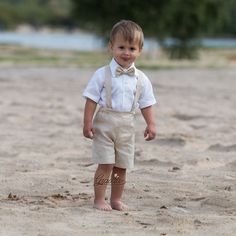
(125, 65)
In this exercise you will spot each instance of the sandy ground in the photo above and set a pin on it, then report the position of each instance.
(184, 182)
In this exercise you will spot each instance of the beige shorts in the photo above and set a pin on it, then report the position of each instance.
(114, 138)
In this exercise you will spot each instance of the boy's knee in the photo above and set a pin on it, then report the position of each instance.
(106, 167)
(118, 169)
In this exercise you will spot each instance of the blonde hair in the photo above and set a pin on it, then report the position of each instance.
(131, 32)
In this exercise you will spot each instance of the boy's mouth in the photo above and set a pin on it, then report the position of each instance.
(125, 59)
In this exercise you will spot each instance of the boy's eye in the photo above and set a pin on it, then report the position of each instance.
(132, 49)
(121, 47)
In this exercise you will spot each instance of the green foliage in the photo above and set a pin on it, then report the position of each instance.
(8, 15)
(228, 27)
(182, 20)
(186, 21)
(34, 12)
(101, 15)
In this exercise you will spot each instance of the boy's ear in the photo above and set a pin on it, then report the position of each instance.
(110, 45)
(140, 51)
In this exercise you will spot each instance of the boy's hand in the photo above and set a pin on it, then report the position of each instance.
(90, 107)
(150, 132)
(88, 131)
(148, 114)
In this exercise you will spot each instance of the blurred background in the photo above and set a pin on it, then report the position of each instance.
(178, 33)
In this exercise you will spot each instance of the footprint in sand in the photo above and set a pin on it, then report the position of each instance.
(218, 202)
(156, 162)
(172, 142)
(5, 80)
(185, 117)
(4, 154)
(144, 224)
(198, 126)
(231, 166)
(221, 148)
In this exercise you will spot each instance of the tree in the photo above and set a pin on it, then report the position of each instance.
(186, 21)
(100, 15)
(34, 12)
(183, 21)
(228, 28)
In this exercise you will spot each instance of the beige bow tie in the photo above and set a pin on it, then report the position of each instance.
(120, 71)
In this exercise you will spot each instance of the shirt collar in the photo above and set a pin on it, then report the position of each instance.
(114, 65)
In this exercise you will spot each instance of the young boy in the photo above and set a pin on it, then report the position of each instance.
(118, 88)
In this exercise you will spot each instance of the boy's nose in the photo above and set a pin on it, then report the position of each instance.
(126, 51)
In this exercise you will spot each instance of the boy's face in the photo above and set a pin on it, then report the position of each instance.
(124, 52)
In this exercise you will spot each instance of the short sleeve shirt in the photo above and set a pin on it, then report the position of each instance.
(123, 89)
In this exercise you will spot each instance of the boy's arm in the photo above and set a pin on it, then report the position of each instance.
(90, 107)
(150, 131)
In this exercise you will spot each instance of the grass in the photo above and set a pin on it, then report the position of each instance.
(21, 56)
(208, 58)
(16, 55)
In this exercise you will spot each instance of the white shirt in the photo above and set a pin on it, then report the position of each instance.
(123, 90)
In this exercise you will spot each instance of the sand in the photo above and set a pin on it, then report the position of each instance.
(183, 183)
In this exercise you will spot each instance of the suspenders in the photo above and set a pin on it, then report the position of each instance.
(108, 88)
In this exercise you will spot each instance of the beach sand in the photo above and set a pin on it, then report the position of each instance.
(183, 183)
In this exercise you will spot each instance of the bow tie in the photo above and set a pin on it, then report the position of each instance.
(120, 71)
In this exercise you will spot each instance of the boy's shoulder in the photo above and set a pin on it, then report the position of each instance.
(141, 73)
(100, 70)
(99, 73)
(142, 76)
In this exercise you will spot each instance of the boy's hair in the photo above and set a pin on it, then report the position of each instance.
(131, 32)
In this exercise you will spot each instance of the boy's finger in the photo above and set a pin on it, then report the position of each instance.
(146, 137)
(91, 134)
(145, 133)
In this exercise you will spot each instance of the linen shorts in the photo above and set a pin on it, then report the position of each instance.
(114, 138)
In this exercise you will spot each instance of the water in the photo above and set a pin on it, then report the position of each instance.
(219, 43)
(85, 41)
(73, 41)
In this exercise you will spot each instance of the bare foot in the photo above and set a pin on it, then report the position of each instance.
(119, 206)
(102, 205)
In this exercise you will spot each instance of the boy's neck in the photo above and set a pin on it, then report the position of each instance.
(122, 66)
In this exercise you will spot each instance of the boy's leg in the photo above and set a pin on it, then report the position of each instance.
(118, 179)
(101, 179)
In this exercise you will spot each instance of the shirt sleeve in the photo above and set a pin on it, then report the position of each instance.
(147, 97)
(95, 86)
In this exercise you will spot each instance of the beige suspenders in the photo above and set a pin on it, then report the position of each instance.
(108, 88)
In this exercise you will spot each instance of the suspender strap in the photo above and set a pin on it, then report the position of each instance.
(108, 87)
(137, 93)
